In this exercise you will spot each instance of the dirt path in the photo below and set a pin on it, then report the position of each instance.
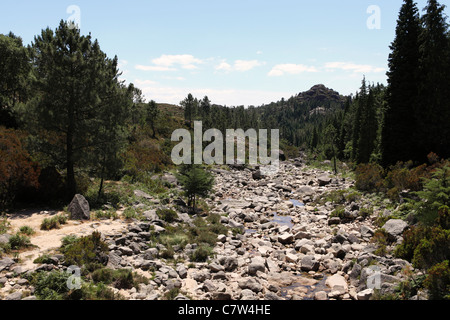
(47, 241)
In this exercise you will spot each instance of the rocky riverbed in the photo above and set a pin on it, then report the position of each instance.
(290, 246)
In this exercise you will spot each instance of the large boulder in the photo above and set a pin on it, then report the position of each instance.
(324, 180)
(395, 228)
(79, 208)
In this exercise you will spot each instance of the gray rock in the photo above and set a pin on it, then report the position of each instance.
(308, 263)
(365, 294)
(256, 264)
(230, 263)
(126, 251)
(79, 208)
(182, 272)
(366, 231)
(321, 296)
(324, 180)
(4, 238)
(142, 194)
(6, 263)
(221, 296)
(209, 286)
(14, 296)
(395, 227)
(286, 238)
(252, 284)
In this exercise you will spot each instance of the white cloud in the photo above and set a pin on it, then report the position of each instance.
(290, 68)
(224, 66)
(246, 65)
(186, 61)
(153, 68)
(352, 67)
(239, 65)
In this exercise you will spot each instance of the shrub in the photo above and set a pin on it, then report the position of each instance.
(51, 285)
(4, 225)
(27, 230)
(435, 194)
(120, 279)
(54, 222)
(130, 214)
(19, 241)
(438, 281)
(89, 251)
(202, 253)
(167, 215)
(369, 177)
(380, 238)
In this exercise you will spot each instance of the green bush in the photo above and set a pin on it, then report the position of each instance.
(202, 253)
(88, 252)
(18, 241)
(438, 281)
(27, 230)
(54, 222)
(369, 177)
(4, 225)
(51, 285)
(167, 215)
(120, 279)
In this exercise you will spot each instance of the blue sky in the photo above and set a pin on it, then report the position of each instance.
(244, 52)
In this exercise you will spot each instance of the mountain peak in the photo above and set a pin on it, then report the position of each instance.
(320, 93)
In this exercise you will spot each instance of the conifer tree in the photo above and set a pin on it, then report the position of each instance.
(434, 88)
(78, 98)
(400, 122)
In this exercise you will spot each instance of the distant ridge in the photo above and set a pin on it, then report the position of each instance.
(320, 94)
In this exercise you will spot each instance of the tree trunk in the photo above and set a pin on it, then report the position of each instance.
(71, 182)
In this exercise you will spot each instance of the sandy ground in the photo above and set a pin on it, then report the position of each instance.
(48, 241)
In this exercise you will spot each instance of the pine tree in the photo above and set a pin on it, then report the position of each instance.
(434, 89)
(15, 70)
(77, 99)
(368, 128)
(195, 181)
(188, 105)
(400, 123)
(152, 116)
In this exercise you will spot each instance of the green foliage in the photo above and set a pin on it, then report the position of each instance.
(120, 279)
(51, 285)
(435, 194)
(27, 230)
(54, 222)
(167, 215)
(202, 253)
(89, 252)
(438, 281)
(19, 241)
(381, 240)
(5, 225)
(369, 177)
(15, 70)
(79, 107)
(195, 182)
(45, 258)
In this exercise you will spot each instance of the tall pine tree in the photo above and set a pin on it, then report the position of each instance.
(398, 140)
(434, 88)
